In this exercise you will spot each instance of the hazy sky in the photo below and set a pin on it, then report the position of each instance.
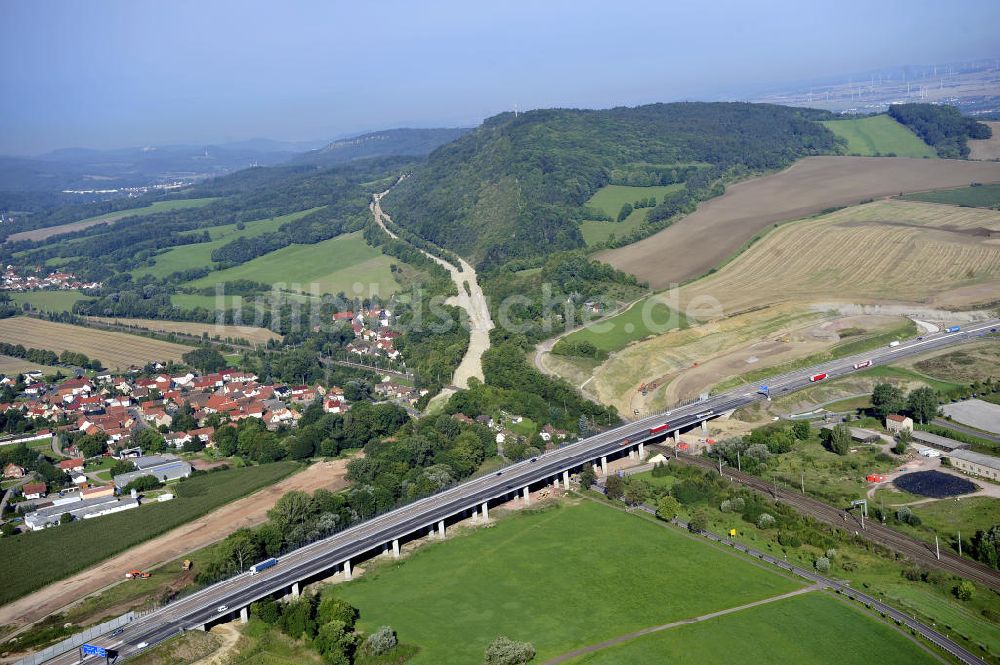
(109, 73)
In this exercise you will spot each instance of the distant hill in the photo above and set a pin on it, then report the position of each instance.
(515, 187)
(392, 142)
(35, 183)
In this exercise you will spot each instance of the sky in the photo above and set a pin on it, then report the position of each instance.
(116, 73)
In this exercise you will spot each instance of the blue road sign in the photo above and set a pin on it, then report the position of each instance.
(762, 389)
(94, 650)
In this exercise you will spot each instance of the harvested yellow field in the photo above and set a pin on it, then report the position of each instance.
(114, 349)
(12, 366)
(250, 333)
(886, 251)
(721, 226)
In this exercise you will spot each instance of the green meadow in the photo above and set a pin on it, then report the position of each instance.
(879, 135)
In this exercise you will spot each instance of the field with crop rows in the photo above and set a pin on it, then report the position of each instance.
(114, 349)
(35, 559)
(249, 333)
(881, 251)
(721, 227)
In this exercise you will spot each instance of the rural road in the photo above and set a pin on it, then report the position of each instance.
(971, 431)
(472, 301)
(545, 346)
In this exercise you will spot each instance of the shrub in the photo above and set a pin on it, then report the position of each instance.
(726, 506)
(142, 484)
(505, 651)
(964, 590)
(267, 611)
(831, 554)
(786, 539)
(766, 520)
(738, 504)
(381, 642)
(822, 564)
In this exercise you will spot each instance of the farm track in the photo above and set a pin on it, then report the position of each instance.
(915, 550)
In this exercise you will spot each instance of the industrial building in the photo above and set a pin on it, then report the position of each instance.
(942, 443)
(162, 467)
(976, 464)
(80, 510)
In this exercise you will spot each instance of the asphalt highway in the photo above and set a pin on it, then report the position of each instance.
(312, 560)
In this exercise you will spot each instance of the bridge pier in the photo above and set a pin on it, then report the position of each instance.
(347, 570)
(244, 615)
(395, 548)
(704, 426)
(642, 451)
(295, 590)
(527, 495)
(441, 529)
(597, 469)
(486, 511)
(566, 479)
(631, 453)
(604, 465)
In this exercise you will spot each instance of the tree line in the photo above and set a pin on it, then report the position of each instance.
(942, 127)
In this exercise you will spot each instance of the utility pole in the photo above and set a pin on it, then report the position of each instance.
(803, 479)
(937, 548)
(739, 464)
(959, 543)
(720, 464)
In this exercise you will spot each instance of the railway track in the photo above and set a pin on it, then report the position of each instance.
(916, 550)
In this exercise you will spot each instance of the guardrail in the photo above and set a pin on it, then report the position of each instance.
(76, 641)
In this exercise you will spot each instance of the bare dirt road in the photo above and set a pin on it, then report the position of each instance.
(215, 526)
(470, 298)
(721, 226)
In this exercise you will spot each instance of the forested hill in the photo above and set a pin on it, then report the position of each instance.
(515, 186)
(399, 142)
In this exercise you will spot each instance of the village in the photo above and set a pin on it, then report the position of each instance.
(13, 281)
(110, 431)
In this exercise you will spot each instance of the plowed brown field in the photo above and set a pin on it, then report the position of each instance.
(720, 227)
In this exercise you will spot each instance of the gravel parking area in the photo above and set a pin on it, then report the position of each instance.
(975, 413)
